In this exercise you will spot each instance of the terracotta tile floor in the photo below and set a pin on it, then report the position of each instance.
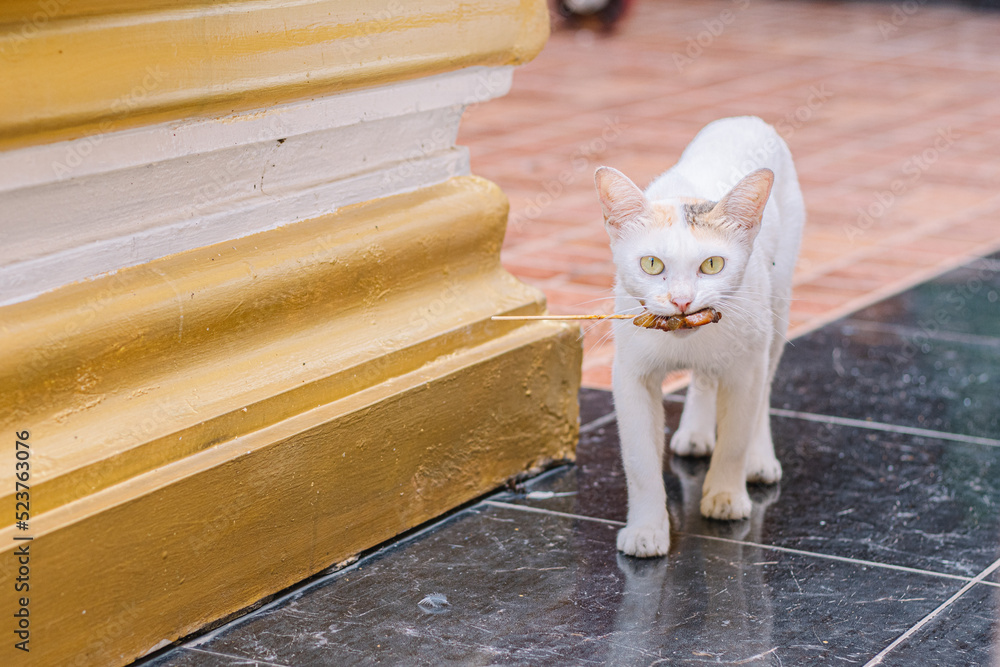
(894, 121)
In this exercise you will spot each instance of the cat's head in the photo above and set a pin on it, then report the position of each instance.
(680, 255)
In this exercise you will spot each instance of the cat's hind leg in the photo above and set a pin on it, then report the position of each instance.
(695, 435)
(639, 406)
(762, 464)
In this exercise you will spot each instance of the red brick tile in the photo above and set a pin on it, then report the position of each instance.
(889, 95)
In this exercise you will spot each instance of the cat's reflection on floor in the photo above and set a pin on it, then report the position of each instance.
(710, 594)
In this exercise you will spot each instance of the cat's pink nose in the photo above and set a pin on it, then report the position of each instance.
(681, 303)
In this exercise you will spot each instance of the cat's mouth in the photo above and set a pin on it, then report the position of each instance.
(657, 309)
(699, 318)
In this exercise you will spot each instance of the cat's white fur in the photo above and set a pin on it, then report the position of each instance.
(756, 225)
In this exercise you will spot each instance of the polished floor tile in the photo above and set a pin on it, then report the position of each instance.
(594, 404)
(854, 372)
(881, 544)
(848, 492)
(500, 586)
(961, 302)
(965, 633)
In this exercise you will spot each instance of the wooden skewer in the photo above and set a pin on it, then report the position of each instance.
(646, 320)
(563, 317)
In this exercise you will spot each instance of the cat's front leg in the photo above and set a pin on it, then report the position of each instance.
(695, 435)
(639, 405)
(741, 393)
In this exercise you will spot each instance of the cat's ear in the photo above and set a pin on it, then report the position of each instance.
(744, 205)
(621, 200)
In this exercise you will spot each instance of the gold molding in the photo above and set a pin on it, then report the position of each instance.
(142, 563)
(74, 69)
(137, 369)
(214, 426)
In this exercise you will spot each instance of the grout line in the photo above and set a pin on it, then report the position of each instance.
(242, 658)
(542, 510)
(598, 423)
(862, 252)
(298, 589)
(986, 263)
(841, 559)
(890, 428)
(872, 297)
(912, 333)
(871, 425)
(877, 660)
(799, 552)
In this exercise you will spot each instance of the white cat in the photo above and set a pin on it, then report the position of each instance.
(720, 229)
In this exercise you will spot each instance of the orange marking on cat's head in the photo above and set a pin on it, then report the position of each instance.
(664, 214)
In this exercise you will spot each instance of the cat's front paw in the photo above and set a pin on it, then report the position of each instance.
(645, 541)
(690, 442)
(766, 471)
(726, 505)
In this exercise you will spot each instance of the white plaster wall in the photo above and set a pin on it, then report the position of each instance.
(77, 209)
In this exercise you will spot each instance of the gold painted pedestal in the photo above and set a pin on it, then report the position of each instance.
(213, 426)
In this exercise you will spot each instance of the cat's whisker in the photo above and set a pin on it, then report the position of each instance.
(740, 313)
(603, 338)
(747, 317)
(600, 298)
(737, 292)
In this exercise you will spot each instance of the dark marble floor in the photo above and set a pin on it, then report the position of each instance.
(880, 546)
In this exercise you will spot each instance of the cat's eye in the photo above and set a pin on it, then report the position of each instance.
(712, 265)
(651, 265)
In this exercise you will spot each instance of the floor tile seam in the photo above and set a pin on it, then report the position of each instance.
(798, 552)
(349, 565)
(978, 579)
(860, 255)
(870, 425)
(952, 65)
(241, 658)
(912, 333)
(823, 419)
(595, 424)
(875, 56)
(903, 236)
(892, 289)
(986, 263)
(882, 426)
(858, 56)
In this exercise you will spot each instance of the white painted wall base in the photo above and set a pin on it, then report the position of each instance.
(77, 209)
